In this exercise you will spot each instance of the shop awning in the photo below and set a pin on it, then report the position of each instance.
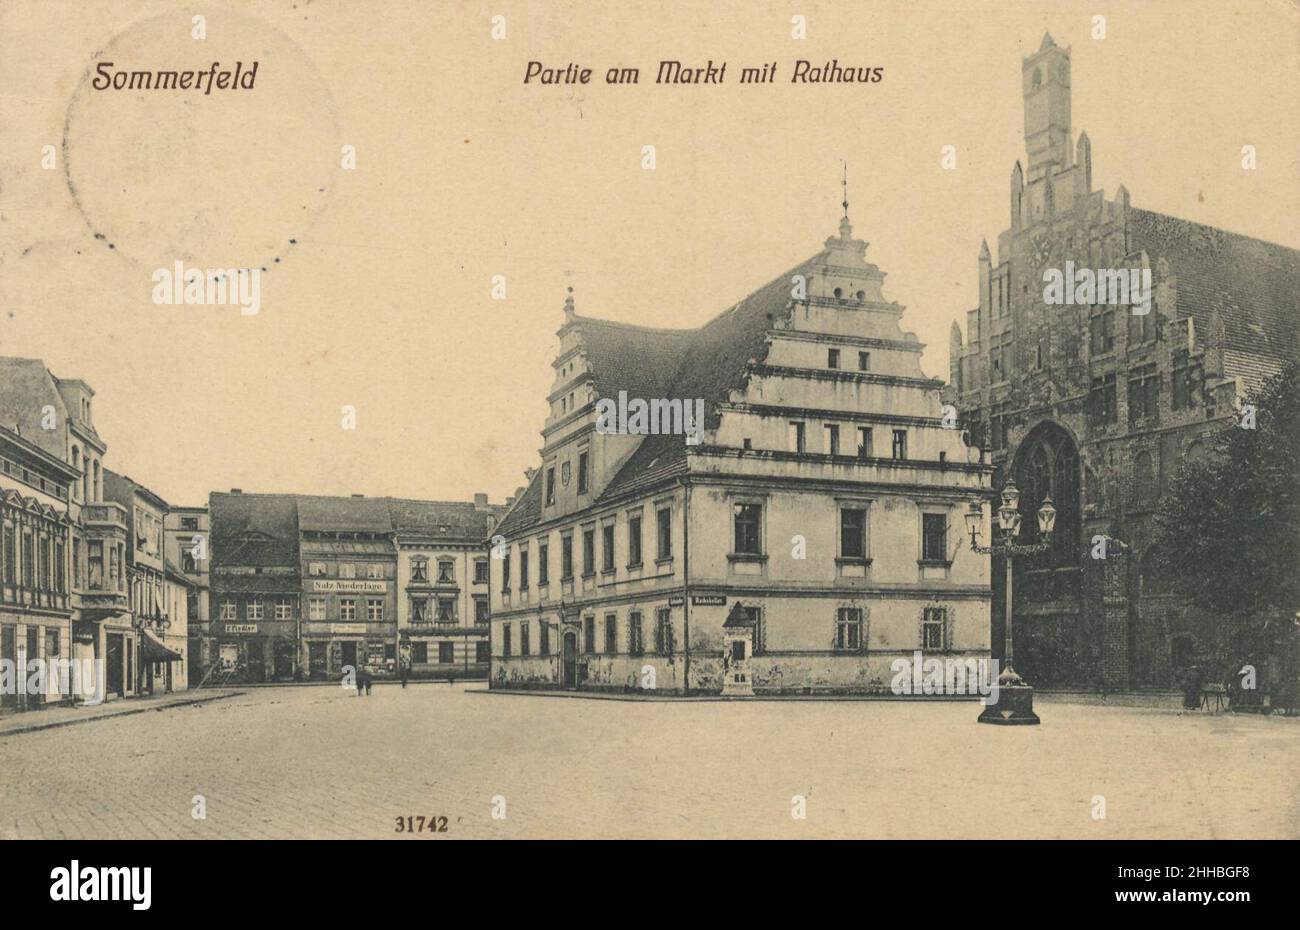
(153, 649)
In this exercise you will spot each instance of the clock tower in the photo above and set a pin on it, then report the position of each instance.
(1045, 78)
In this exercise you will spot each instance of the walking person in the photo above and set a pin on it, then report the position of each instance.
(403, 671)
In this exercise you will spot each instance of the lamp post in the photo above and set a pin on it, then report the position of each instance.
(1015, 698)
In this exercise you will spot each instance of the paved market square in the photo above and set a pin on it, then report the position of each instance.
(286, 762)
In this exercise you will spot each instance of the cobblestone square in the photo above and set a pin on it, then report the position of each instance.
(321, 762)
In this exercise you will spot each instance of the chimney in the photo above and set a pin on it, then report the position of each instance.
(358, 495)
(236, 490)
(480, 501)
(509, 502)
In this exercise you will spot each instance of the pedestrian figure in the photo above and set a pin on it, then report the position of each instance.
(404, 672)
(1192, 688)
(369, 681)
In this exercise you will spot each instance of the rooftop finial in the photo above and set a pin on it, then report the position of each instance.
(845, 185)
(568, 303)
(846, 230)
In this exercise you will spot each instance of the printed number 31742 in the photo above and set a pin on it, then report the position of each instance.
(421, 824)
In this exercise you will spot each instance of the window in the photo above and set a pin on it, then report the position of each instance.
(374, 571)
(853, 532)
(481, 653)
(566, 558)
(420, 653)
(543, 564)
(582, 472)
(283, 608)
(543, 638)
(832, 439)
(446, 571)
(848, 629)
(589, 635)
(347, 570)
(832, 358)
(419, 610)
(446, 612)
(664, 521)
(481, 610)
(505, 640)
(316, 569)
(1141, 326)
(1185, 378)
(635, 644)
(29, 561)
(588, 552)
(550, 485)
(864, 361)
(634, 540)
(900, 444)
(189, 523)
(505, 573)
(60, 571)
(934, 629)
(864, 442)
(1101, 331)
(523, 568)
(253, 611)
(524, 644)
(1101, 401)
(796, 436)
(375, 610)
(747, 519)
(347, 608)
(611, 633)
(227, 609)
(188, 564)
(419, 570)
(607, 547)
(999, 426)
(480, 571)
(664, 631)
(1143, 394)
(934, 537)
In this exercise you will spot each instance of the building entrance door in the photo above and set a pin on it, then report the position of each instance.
(569, 662)
(256, 660)
(349, 656)
(113, 663)
(9, 653)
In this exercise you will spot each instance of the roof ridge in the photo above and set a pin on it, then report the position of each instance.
(1219, 229)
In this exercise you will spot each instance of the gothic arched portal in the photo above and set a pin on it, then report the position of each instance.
(1048, 461)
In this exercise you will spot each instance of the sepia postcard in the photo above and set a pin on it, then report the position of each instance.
(543, 420)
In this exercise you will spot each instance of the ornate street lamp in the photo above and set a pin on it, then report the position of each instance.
(1015, 698)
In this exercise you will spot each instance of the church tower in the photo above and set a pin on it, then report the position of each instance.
(1045, 80)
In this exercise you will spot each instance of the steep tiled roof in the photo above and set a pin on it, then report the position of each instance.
(453, 519)
(345, 514)
(704, 363)
(711, 362)
(527, 509)
(26, 386)
(1254, 286)
(254, 529)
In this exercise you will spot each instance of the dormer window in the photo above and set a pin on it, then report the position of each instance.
(839, 293)
(862, 295)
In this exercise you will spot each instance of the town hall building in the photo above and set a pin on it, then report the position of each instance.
(799, 535)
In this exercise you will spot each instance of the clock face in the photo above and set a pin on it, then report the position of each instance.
(564, 474)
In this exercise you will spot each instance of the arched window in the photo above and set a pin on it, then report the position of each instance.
(1038, 78)
(1048, 462)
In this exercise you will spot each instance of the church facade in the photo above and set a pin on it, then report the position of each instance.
(1098, 401)
(800, 531)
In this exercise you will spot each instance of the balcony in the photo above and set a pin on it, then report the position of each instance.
(108, 515)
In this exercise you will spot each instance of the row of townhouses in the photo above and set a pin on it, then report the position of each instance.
(306, 587)
(91, 608)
